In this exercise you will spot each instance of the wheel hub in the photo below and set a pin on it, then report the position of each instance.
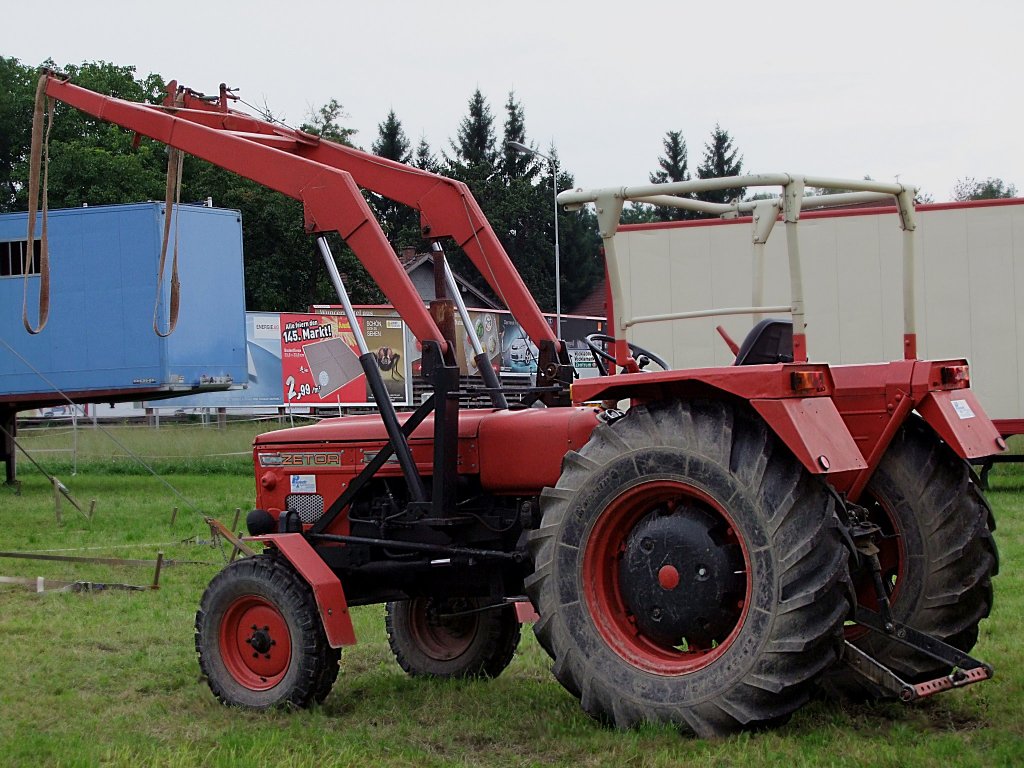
(682, 577)
(441, 630)
(260, 639)
(255, 644)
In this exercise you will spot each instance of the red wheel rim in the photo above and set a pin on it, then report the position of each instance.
(603, 595)
(892, 558)
(440, 637)
(255, 643)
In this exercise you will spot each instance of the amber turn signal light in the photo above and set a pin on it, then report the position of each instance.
(806, 382)
(956, 376)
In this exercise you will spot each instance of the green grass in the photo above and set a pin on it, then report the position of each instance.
(175, 447)
(111, 678)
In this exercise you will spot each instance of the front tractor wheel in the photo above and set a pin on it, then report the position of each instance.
(259, 637)
(689, 571)
(452, 638)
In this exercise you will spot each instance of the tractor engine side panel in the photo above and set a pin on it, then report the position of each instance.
(308, 477)
(521, 452)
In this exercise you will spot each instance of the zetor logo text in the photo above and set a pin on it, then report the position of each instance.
(313, 459)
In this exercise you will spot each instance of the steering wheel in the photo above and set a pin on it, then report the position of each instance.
(598, 343)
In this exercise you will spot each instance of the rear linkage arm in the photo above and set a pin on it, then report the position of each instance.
(877, 673)
(966, 670)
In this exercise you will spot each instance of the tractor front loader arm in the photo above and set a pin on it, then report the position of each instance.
(330, 197)
(447, 207)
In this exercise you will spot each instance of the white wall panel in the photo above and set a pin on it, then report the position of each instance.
(969, 279)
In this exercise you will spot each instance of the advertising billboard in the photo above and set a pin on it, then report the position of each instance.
(309, 360)
(320, 359)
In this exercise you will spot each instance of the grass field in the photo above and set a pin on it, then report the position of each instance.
(111, 678)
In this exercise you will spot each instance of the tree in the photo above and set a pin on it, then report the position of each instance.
(582, 260)
(94, 162)
(516, 195)
(17, 84)
(91, 161)
(283, 267)
(473, 162)
(324, 122)
(672, 167)
(391, 141)
(969, 188)
(401, 223)
(516, 164)
(641, 213)
(720, 159)
(424, 159)
(475, 156)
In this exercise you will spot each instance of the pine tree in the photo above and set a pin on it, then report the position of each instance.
(515, 164)
(399, 222)
(391, 141)
(424, 159)
(474, 144)
(516, 195)
(720, 159)
(672, 167)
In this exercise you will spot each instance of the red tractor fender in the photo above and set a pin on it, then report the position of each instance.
(330, 597)
(813, 430)
(958, 418)
(795, 400)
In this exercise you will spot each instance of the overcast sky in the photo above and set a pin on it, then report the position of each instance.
(928, 91)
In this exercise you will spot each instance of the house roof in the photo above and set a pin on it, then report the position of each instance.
(594, 303)
(426, 261)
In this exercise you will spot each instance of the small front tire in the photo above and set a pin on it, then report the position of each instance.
(259, 637)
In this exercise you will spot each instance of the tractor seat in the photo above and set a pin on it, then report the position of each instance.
(770, 341)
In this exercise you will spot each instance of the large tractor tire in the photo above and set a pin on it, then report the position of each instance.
(689, 570)
(451, 638)
(259, 637)
(937, 554)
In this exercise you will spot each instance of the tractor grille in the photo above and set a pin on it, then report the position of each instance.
(310, 506)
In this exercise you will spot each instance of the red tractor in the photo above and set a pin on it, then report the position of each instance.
(705, 557)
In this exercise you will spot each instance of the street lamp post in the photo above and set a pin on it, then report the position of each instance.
(525, 150)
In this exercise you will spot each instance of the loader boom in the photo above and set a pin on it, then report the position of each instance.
(327, 177)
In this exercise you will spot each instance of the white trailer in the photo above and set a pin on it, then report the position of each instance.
(968, 280)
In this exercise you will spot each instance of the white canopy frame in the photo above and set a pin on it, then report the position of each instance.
(791, 201)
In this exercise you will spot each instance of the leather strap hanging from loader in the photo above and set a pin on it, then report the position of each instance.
(172, 199)
(175, 161)
(42, 112)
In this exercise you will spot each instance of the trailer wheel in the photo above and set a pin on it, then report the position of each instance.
(688, 570)
(937, 554)
(259, 637)
(450, 638)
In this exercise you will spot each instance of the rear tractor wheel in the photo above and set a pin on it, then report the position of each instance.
(259, 637)
(689, 571)
(446, 638)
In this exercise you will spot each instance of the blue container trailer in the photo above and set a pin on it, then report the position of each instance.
(99, 343)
